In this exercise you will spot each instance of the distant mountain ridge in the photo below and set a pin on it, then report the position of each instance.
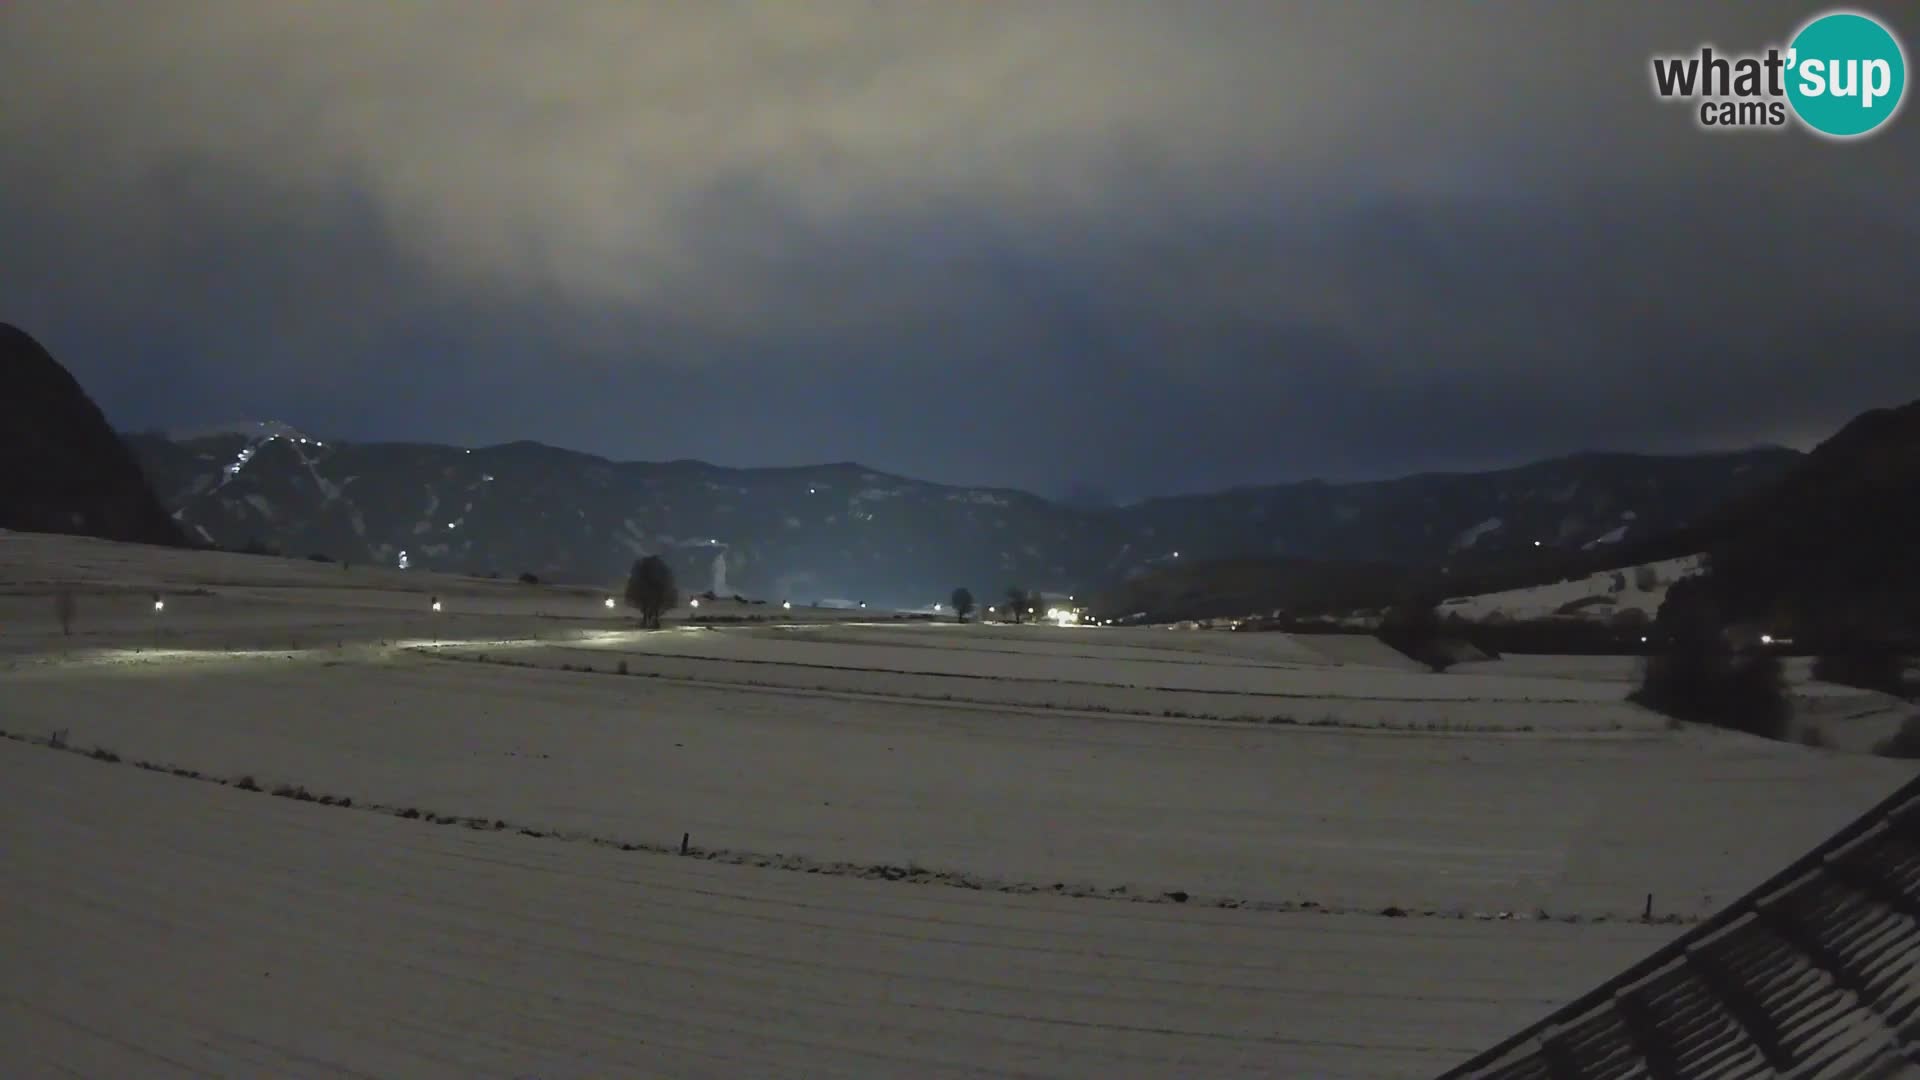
(62, 468)
(845, 530)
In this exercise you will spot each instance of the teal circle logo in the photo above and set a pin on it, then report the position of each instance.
(1846, 74)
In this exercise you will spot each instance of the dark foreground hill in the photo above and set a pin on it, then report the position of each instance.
(1833, 547)
(62, 468)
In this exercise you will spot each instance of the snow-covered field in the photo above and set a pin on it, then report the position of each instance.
(913, 850)
(1606, 594)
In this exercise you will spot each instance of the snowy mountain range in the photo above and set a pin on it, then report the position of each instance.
(844, 530)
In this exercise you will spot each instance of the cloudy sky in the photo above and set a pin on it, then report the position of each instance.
(1145, 246)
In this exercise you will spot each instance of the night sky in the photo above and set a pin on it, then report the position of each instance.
(1143, 246)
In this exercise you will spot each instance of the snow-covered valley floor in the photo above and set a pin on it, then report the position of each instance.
(913, 850)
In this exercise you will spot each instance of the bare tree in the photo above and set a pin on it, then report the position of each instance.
(650, 590)
(1414, 627)
(962, 603)
(63, 607)
(1017, 602)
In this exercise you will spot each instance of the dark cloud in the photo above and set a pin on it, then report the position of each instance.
(1151, 246)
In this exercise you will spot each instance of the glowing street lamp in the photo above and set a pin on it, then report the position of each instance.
(159, 604)
(436, 603)
(609, 601)
(695, 601)
(787, 604)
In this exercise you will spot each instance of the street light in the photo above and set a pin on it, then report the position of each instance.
(787, 604)
(609, 601)
(695, 601)
(436, 603)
